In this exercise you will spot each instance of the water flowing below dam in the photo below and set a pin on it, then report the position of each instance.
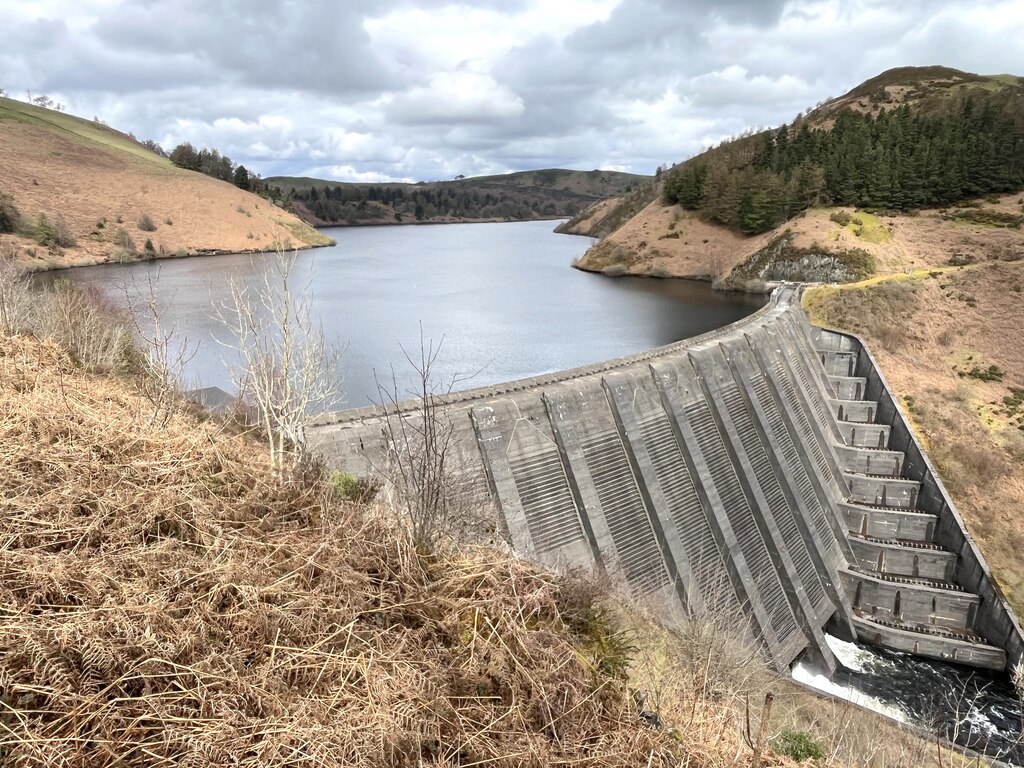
(763, 469)
(972, 708)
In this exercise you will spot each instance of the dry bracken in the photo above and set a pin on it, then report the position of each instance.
(164, 602)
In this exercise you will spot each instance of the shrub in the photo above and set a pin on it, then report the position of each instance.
(82, 322)
(961, 260)
(124, 240)
(992, 373)
(16, 301)
(842, 218)
(44, 233)
(614, 270)
(169, 221)
(148, 248)
(10, 218)
(62, 234)
(798, 745)
(56, 232)
(351, 487)
(145, 223)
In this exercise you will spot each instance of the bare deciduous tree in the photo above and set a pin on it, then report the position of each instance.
(289, 371)
(424, 476)
(165, 353)
(15, 299)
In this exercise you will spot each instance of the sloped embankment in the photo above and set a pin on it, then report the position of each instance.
(164, 604)
(819, 245)
(112, 196)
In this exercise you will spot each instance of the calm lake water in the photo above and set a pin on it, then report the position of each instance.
(501, 299)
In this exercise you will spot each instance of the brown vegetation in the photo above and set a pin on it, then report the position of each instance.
(666, 241)
(165, 604)
(168, 601)
(95, 183)
(948, 341)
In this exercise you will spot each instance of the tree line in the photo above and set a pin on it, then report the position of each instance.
(212, 163)
(896, 160)
(352, 203)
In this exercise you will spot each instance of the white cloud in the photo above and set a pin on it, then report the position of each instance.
(452, 98)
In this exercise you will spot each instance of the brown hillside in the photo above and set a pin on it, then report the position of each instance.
(925, 87)
(668, 241)
(102, 182)
(936, 335)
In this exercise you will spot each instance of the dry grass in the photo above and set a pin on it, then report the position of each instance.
(164, 603)
(949, 322)
(678, 244)
(61, 166)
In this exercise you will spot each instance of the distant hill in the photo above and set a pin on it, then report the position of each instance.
(78, 192)
(544, 194)
(919, 165)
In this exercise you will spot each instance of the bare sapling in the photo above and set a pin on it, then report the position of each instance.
(423, 473)
(288, 371)
(15, 297)
(166, 353)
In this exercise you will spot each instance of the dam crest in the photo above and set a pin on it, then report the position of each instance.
(763, 469)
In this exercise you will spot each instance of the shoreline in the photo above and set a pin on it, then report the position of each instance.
(434, 223)
(89, 261)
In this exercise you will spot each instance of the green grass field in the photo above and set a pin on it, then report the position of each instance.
(87, 130)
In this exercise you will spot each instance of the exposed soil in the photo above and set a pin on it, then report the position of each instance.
(667, 241)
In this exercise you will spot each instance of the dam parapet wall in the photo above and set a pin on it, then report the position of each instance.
(762, 470)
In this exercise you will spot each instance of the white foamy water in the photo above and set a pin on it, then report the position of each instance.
(804, 673)
(974, 708)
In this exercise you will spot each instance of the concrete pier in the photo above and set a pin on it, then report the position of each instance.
(761, 471)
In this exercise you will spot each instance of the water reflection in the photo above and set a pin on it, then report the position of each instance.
(501, 296)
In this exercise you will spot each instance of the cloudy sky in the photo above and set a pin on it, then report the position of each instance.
(428, 89)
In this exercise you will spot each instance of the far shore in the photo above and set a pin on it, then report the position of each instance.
(429, 223)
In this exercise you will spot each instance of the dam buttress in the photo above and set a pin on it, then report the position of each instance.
(763, 469)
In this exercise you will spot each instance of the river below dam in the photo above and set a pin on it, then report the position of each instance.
(501, 299)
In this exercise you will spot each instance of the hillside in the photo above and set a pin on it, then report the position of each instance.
(918, 166)
(948, 341)
(527, 195)
(927, 89)
(103, 196)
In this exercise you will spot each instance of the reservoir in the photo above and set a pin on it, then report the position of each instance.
(501, 300)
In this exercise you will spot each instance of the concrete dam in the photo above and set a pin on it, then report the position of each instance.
(763, 470)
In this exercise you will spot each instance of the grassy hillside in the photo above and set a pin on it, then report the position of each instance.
(78, 192)
(549, 193)
(928, 89)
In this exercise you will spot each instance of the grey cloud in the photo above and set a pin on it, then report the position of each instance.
(316, 45)
(300, 87)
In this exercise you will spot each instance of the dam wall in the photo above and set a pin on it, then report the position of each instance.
(761, 471)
